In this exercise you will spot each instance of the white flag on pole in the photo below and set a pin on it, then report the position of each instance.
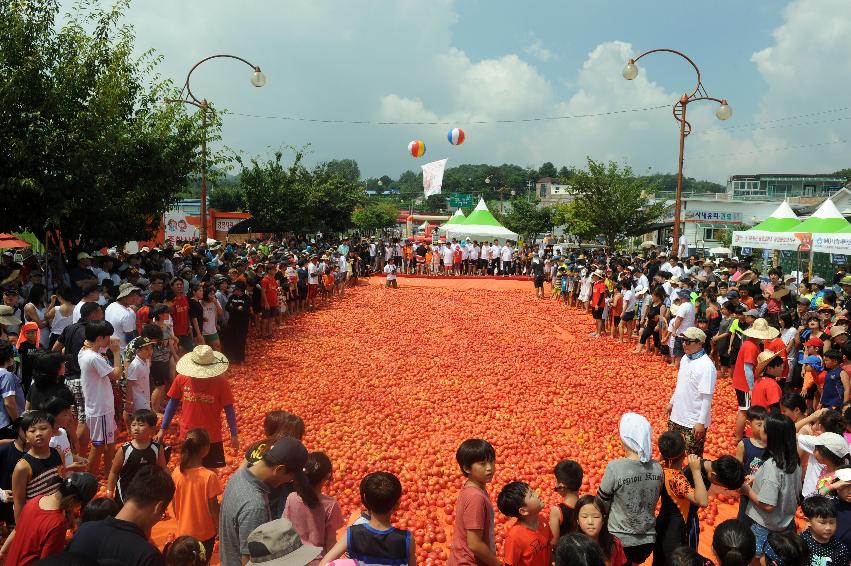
(433, 177)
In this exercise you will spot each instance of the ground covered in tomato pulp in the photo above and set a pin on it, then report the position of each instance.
(395, 379)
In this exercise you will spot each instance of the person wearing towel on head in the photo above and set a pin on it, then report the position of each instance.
(631, 487)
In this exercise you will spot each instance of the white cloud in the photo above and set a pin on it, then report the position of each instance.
(537, 50)
(377, 60)
(805, 71)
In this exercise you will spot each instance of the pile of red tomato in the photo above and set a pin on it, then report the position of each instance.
(395, 379)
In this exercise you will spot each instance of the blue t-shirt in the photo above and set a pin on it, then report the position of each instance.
(10, 385)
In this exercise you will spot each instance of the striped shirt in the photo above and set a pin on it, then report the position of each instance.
(44, 478)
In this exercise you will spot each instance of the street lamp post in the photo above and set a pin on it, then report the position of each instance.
(258, 79)
(723, 112)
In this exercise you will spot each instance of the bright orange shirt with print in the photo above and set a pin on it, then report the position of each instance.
(525, 547)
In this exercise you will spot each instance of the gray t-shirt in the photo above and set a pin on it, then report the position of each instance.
(245, 506)
(776, 487)
(631, 489)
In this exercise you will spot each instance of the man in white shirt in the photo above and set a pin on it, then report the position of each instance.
(682, 249)
(474, 258)
(312, 280)
(495, 251)
(682, 322)
(121, 315)
(96, 376)
(666, 265)
(690, 409)
(448, 258)
(91, 294)
(506, 253)
(465, 256)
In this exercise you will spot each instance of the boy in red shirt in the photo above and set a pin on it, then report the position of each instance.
(180, 315)
(744, 374)
(766, 390)
(598, 300)
(473, 536)
(270, 299)
(527, 542)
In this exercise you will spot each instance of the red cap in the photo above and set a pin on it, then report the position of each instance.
(817, 342)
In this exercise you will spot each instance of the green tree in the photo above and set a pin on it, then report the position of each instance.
(344, 168)
(88, 151)
(227, 197)
(275, 195)
(609, 201)
(528, 219)
(332, 197)
(375, 216)
(844, 173)
(548, 170)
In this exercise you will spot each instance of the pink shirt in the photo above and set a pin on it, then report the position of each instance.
(312, 525)
(473, 512)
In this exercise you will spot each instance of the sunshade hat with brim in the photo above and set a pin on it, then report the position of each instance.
(7, 316)
(761, 330)
(277, 543)
(202, 363)
(762, 360)
(598, 273)
(833, 442)
(125, 289)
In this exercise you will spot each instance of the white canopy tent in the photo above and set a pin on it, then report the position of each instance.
(481, 224)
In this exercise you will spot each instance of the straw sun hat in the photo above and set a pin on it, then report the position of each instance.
(761, 330)
(202, 363)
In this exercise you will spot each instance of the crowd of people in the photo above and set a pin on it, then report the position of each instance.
(96, 362)
(452, 257)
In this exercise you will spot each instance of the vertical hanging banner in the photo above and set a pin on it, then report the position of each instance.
(433, 177)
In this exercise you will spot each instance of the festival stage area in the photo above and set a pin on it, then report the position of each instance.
(395, 379)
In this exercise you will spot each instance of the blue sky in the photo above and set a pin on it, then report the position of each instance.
(475, 60)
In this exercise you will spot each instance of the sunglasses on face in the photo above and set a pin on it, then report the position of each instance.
(689, 341)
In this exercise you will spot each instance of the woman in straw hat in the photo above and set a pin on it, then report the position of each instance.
(744, 374)
(203, 392)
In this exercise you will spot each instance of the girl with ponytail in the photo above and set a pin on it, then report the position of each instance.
(733, 544)
(316, 517)
(196, 504)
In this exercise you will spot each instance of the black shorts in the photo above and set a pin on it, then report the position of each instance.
(597, 314)
(539, 282)
(627, 316)
(216, 457)
(160, 374)
(617, 320)
(724, 360)
(665, 350)
(269, 313)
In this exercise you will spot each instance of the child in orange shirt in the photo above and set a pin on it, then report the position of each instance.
(527, 542)
(196, 504)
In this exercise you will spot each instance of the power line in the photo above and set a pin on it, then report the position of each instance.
(775, 120)
(776, 126)
(448, 123)
(770, 150)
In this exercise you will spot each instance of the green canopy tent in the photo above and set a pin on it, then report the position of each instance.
(780, 220)
(769, 233)
(457, 218)
(480, 224)
(825, 220)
